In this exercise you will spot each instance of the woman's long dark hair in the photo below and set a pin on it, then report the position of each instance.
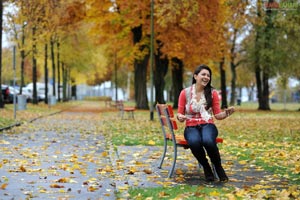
(208, 88)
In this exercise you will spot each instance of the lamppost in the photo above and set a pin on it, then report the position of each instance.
(151, 59)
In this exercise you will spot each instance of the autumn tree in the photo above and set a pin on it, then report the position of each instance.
(124, 34)
(288, 22)
(27, 20)
(17, 27)
(272, 53)
(236, 25)
(190, 33)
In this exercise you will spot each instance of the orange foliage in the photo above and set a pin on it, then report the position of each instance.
(190, 30)
(72, 13)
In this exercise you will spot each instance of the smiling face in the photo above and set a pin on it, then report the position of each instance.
(202, 78)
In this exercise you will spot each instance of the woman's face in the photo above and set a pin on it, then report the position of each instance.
(202, 78)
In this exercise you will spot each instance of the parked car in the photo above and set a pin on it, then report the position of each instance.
(40, 88)
(16, 91)
(5, 93)
(28, 91)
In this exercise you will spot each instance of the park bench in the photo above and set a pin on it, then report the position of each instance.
(108, 102)
(169, 127)
(125, 109)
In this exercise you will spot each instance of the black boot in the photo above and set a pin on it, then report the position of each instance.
(209, 175)
(221, 173)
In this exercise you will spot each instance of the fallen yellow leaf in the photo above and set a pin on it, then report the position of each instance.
(63, 180)
(3, 186)
(56, 186)
(104, 154)
(92, 188)
(22, 168)
(147, 171)
(163, 194)
(151, 142)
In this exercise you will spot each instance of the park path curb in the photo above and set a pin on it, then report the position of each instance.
(29, 121)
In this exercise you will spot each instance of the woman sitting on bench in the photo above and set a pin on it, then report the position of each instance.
(196, 106)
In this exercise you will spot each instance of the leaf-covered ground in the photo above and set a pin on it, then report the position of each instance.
(88, 152)
(260, 152)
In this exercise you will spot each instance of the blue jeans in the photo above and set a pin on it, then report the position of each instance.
(202, 138)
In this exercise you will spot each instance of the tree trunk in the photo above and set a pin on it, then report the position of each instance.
(46, 73)
(140, 73)
(22, 54)
(266, 70)
(233, 69)
(233, 83)
(223, 84)
(161, 69)
(140, 83)
(53, 67)
(258, 84)
(1, 23)
(257, 66)
(68, 78)
(73, 89)
(177, 79)
(34, 67)
(58, 73)
(64, 74)
(265, 93)
(116, 75)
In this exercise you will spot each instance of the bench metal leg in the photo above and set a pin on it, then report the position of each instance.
(174, 161)
(163, 155)
(130, 114)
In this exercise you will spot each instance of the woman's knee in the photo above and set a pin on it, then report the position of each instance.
(192, 136)
(210, 133)
(209, 143)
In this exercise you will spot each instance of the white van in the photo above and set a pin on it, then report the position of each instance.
(40, 87)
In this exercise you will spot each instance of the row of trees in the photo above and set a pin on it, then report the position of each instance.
(100, 39)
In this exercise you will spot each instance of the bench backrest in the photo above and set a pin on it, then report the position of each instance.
(167, 120)
(166, 116)
(120, 104)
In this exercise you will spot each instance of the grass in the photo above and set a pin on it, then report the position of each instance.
(10, 116)
(273, 106)
(180, 192)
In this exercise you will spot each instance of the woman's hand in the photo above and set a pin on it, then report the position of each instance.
(225, 113)
(229, 111)
(181, 117)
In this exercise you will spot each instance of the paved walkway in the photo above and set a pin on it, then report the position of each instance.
(68, 156)
(63, 156)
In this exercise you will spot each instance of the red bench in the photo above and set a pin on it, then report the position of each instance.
(169, 126)
(123, 109)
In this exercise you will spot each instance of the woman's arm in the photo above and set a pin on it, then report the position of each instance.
(226, 113)
(181, 106)
(219, 114)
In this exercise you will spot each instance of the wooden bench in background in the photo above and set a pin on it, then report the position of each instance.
(169, 126)
(125, 109)
(108, 102)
